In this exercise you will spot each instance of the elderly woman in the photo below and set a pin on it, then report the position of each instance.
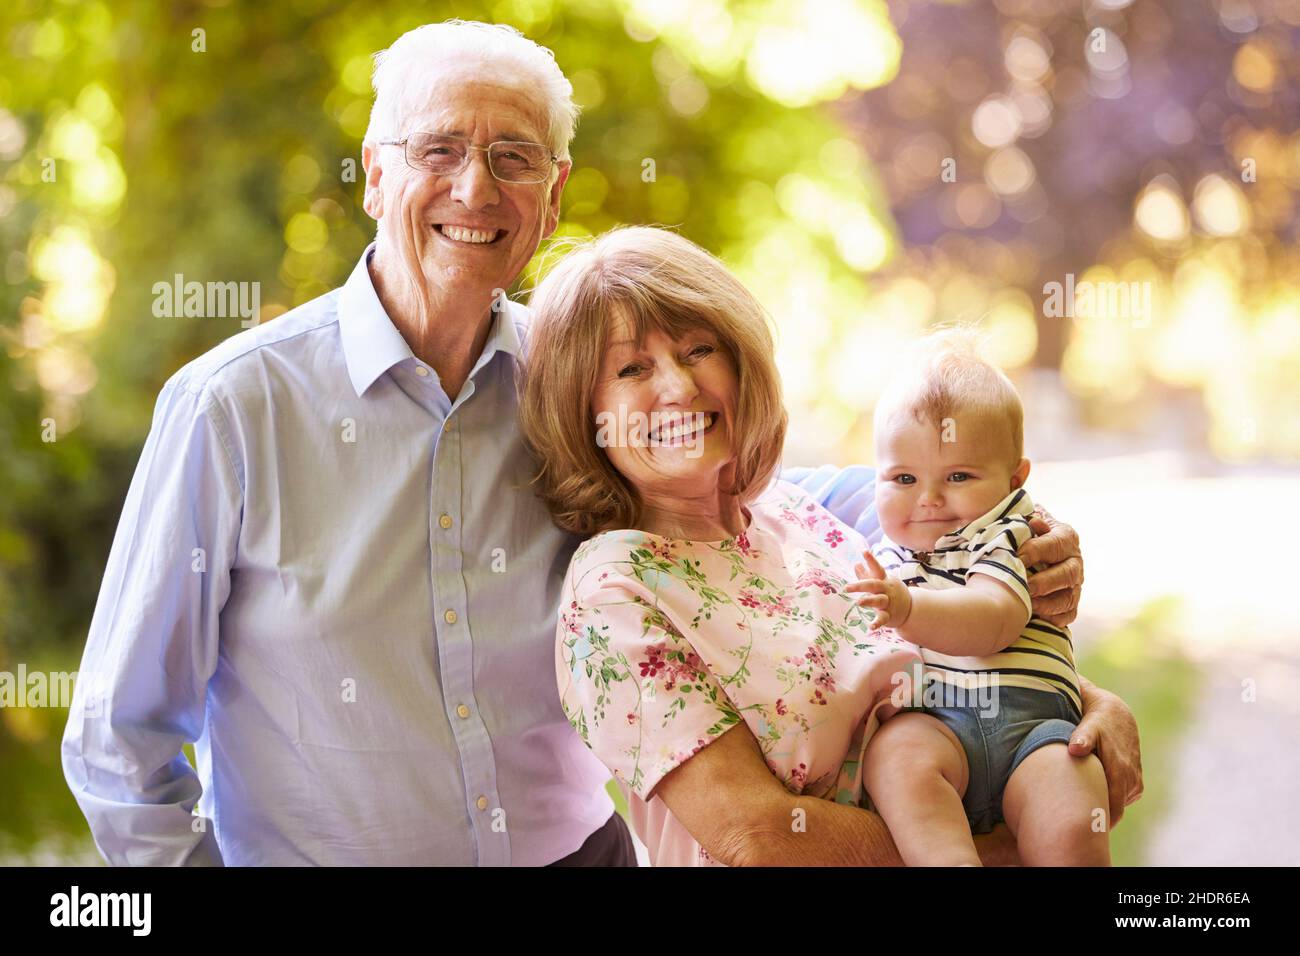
(706, 649)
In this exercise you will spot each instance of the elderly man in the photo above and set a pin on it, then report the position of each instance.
(330, 574)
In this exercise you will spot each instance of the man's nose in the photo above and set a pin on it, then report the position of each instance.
(474, 186)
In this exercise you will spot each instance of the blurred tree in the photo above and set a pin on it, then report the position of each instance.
(1152, 141)
(220, 141)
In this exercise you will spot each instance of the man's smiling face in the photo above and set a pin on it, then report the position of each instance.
(469, 232)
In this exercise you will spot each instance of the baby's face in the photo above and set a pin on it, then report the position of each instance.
(930, 481)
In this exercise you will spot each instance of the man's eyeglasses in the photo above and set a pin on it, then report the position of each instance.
(447, 155)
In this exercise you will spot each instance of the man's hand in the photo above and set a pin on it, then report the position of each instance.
(887, 595)
(1109, 729)
(1055, 588)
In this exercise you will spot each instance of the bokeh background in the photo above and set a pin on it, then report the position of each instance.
(870, 169)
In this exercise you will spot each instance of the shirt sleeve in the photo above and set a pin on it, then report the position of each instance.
(633, 687)
(847, 493)
(996, 556)
(142, 688)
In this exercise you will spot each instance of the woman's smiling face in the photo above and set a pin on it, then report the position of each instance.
(931, 482)
(683, 391)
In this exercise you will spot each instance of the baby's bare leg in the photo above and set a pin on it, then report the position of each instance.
(915, 770)
(1051, 802)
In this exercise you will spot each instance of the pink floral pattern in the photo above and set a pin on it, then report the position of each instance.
(662, 646)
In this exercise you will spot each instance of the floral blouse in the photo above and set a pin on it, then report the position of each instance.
(662, 645)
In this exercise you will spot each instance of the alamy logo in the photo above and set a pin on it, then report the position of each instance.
(1128, 301)
(636, 429)
(977, 690)
(26, 688)
(103, 909)
(207, 300)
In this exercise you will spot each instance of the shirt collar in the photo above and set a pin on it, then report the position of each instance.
(372, 345)
(504, 334)
(1016, 503)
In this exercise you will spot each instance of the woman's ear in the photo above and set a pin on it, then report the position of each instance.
(1021, 473)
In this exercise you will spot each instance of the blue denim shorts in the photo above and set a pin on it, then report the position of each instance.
(996, 743)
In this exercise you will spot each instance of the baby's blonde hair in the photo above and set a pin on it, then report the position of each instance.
(944, 373)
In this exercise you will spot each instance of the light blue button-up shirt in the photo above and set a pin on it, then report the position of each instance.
(335, 581)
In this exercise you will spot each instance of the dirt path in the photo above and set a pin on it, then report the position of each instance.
(1238, 781)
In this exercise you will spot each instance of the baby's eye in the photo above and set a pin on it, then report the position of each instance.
(905, 479)
(959, 476)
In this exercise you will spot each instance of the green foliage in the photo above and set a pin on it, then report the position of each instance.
(228, 164)
(1142, 663)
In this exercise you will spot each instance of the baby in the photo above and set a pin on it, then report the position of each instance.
(982, 736)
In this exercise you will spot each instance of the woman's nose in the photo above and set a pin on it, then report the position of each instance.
(676, 385)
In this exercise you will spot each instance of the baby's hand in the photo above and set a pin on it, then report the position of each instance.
(887, 595)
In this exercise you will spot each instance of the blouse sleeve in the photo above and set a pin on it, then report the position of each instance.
(996, 555)
(630, 683)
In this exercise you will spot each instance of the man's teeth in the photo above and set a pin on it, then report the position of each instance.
(469, 235)
(688, 425)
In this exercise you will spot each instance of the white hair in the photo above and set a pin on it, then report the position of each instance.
(404, 74)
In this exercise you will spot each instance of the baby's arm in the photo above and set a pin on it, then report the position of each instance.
(983, 617)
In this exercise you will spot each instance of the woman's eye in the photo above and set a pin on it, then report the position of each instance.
(628, 370)
(702, 350)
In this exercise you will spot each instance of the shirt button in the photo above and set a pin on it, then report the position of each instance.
(450, 617)
(445, 521)
(421, 371)
(462, 711)
(449, 424)
(481, 803)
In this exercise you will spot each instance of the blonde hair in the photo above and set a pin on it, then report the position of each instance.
(943, 373)
(658, 281)
(405, 74)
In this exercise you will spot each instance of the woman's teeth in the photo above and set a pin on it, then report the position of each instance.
(689, 425)
(460, 234)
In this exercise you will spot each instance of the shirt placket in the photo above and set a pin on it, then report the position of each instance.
(455, 642)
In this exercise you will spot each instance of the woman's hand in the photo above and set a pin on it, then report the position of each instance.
(1109, 729)
(887, 595)
(729, 800)
(1055, 589)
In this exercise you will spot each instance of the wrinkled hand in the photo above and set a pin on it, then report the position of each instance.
(887, 595)
(1109, 729)
(1057, 584)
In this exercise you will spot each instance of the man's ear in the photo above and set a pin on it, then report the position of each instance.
(557, 187)
(373, 198)
(1021, 474)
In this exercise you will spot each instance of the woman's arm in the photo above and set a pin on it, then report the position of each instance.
(742, 815)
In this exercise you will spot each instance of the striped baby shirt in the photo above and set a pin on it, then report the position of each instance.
(1042, 657)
